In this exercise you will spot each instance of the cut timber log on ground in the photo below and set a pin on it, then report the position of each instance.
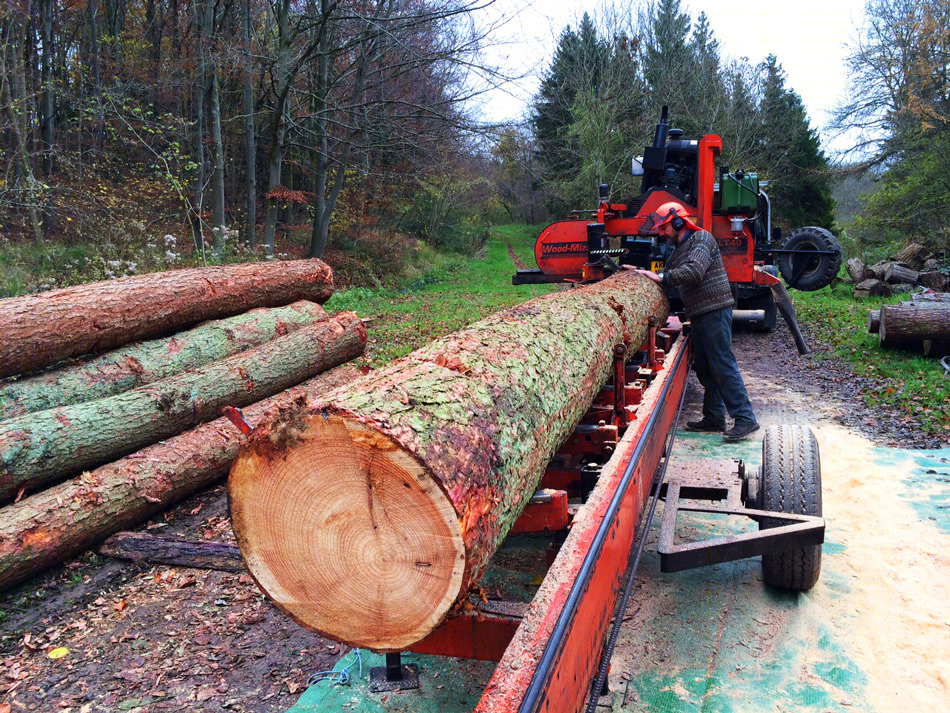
(897, 274)
(874, 320)
(368, 518)
(912, 325)
(143, 363)
(872, 288)
(857, 271)
(40, 330)
(143, 547)
(934, 280)
(46, 446)
(60, 522)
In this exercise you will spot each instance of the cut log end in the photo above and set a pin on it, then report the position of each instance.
(347, 532)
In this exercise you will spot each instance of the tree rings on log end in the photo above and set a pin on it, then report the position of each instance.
(347, 533)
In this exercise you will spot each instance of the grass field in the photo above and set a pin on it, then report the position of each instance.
(452, 293)
(916, 386)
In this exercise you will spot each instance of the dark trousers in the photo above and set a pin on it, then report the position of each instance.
(717, 370)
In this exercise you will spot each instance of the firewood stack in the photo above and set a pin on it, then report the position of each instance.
(914, 266)
(94, 446)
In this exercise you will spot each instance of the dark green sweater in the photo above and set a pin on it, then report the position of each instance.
(696, 269)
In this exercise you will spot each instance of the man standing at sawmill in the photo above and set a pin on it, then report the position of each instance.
(696, 269)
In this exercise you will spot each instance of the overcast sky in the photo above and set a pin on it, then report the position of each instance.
(809, 37)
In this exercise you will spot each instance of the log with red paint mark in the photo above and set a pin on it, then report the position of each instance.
(368, 518)
(66, 519)
(39, 448)
(42, 329)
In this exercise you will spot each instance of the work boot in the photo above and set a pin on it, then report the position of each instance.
(706, 426)
(740, 431)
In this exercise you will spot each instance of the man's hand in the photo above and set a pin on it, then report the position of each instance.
(646, 273)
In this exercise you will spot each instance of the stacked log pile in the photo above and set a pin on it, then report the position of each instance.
(914, 266)
(368, 517)
(921, 324)
(145, 420)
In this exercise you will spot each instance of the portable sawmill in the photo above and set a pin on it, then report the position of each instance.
(413, 480)
(735, 209)
(548, 606)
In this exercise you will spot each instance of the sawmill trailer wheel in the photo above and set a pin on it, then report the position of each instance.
(790, 481)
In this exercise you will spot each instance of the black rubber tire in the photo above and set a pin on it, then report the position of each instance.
(817, 271)
(790, 481)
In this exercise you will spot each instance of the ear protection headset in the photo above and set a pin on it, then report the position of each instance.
(677, 222)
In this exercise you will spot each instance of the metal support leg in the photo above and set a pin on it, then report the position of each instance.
(394, 676)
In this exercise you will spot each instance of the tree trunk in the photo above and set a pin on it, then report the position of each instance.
(46, 120)
(912, 325)
(39, 448)
(199, 141)
(413, 475)
(42, 329)
(143, 363)
(874, 320)
(250, 136)
(217, 174)
(279, 125)
(142, 547)
(56, 524)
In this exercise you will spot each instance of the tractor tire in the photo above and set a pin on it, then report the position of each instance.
(810, 272)
(790, 481)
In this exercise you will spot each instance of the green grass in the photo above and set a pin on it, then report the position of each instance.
(916, 386)
(451, 293)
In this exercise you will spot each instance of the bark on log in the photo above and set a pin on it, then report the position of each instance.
(143, 547)
(878, 270)
(143, 363)
(56, 524)
(912, 325)
(897, 273)
(40, 330)
(872, 288)
(39, 448)
(933, 280)
(874, 320)
(914, 255)
(367, 519)
(858, 272)
(930, 298)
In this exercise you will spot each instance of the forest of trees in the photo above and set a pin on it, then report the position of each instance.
(291, 126)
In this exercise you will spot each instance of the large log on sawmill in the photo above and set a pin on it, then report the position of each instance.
(66, 519)
(367, 518)
(145, 362)
(40, 330)
(41, 447)
(913, 324)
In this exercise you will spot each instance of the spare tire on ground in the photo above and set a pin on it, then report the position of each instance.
(810, 270)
